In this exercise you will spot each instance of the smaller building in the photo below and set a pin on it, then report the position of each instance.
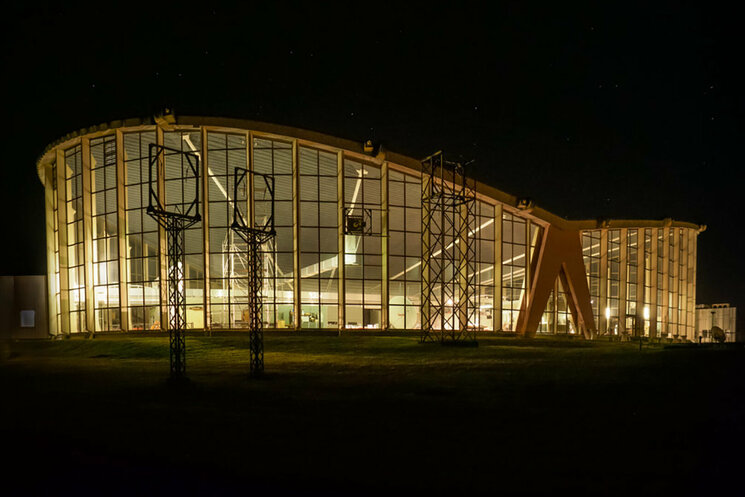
(721, 315)
(23, 307)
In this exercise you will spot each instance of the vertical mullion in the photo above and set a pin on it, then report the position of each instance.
(206, 286)
(641, 289)
(121, 208)
(62, 230)
(51, 280)
(87, 237)
(340, 232)
(622, 278)
(384, 247)
(497, 306)
(162, 241)
(295, 235)
(603, 281)
(665, 318)
(653, 286)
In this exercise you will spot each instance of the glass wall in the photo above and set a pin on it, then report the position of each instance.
(56, 224)
(303, 261)
(648, 281)
(179, 186)
(661, 296)
(105, 234)
(672, 284)
(404, 249)
(564, 322)
(363, 254)
(141, 231)
(613, 282)
(514, 260)
(275, 158)
(548, 318)
(591, 255)
(75, 239)
(319, 239)
(681, 284)
(632, 266)
(227, 254)
(484, 235)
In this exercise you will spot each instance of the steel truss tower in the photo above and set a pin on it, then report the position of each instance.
(255, 237)
(449, 303)
(183, 214)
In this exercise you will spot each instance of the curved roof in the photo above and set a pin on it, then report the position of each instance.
(381, 154)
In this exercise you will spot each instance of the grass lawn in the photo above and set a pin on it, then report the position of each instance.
(371, 415)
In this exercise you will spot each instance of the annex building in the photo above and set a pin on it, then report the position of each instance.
(533, 271)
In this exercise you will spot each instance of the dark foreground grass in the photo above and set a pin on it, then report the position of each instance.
(370, 415)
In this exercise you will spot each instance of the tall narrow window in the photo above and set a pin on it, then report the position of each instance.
(319, 239)
(141, 231)
(648, 281)
(275, 157)
(483, 232)
(632, 292)
(55, 221)
(591, 254)
(105, 234)
(614, 276)
(228, 252)
(514, 262)
(75, 240)
(362, 253)
(404, 250)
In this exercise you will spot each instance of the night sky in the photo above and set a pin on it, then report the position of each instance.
(612, 110)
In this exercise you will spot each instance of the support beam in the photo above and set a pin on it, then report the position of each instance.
(560, 255)
(90, 324)
(64, 271)
(207, 316)
(121, 220)
(384, 317)
(50, 187)
(340, 234)
(296, 214)
(497, 311)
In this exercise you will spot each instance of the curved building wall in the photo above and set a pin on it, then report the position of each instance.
(107, 259)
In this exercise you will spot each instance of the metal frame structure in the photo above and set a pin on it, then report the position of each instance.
(255, 237)
(174, 222)
(449, 299)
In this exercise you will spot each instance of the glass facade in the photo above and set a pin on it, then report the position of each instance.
(318, 273)
(142, 237)
(514, 257)
(591, 255)
(404, 249)
(319, 238)
(275, 157)
(75, 292)
(227, 252)
(105, 234)
(363, 257)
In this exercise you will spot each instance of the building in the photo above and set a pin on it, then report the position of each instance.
(23, 307)
(721, 315)
(106, 256)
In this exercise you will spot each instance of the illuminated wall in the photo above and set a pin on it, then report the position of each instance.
(643, 283)
(107, 257)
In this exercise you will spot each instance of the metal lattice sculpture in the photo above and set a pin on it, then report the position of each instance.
(255, 234)
(175, 171)
(449, 303)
